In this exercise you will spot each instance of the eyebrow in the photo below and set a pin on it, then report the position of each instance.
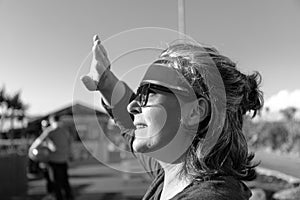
(162, 61)
(160, 88)
(156, 87)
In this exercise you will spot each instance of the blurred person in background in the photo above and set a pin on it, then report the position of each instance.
(45, 170)
(60, 140)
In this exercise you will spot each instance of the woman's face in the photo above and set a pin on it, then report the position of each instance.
(156, 122)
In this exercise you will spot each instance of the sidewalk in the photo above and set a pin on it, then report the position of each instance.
(96, 182)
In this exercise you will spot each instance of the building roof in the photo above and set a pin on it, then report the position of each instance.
(73, 109)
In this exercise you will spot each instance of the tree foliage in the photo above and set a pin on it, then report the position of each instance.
(282, 136)
(12, 108)
(289, 113)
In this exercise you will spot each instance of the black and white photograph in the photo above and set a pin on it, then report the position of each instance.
(150, 100)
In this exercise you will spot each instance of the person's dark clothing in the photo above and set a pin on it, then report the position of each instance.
(49, 183)
(58, 163)
(61, 138)
(219, 188)
(61, 180)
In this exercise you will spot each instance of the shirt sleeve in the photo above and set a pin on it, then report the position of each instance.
(119, 112)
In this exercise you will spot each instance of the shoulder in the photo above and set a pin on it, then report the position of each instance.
(56, 130)
(223, 188)
(48, 130)
(60, 127)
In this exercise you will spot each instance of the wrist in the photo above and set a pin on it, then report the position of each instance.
(103, 79)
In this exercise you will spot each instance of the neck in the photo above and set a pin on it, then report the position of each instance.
(173, 182)
(172, 171)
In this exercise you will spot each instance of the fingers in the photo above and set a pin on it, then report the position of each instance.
(100, 55)
(96, 37)
(89, 83)
(99, 64)
(99, 51)
(103, 50)
(98, 42)
(97, 55)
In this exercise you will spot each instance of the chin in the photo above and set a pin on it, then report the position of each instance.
(140, 146)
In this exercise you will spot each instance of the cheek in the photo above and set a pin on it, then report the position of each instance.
(172, 123)
(164, 124)
(149, 139)
(156, 119)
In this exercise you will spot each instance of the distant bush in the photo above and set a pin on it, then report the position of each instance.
(282, 136)
(276, 137)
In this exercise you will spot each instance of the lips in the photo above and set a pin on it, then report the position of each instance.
(140, 125)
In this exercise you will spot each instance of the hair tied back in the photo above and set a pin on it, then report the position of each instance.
(253, 97)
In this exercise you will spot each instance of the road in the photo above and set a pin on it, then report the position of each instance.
(286, 164)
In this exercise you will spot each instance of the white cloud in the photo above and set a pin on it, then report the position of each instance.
(283, 99)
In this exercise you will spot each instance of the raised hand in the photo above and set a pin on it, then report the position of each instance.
(99, 64)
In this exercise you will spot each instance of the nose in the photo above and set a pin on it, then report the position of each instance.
(134, 107)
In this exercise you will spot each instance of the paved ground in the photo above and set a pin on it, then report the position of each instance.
(96, 182)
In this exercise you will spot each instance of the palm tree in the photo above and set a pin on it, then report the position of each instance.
(2, 101)
(2, 91)
(11, 108)
(16, 109)
(3, 108)
(13, 111)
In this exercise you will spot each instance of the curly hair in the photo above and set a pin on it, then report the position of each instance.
(229, 156)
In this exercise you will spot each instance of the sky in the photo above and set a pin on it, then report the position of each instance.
(44, 44)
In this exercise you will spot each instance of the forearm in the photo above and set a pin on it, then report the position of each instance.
(117, 96)
(111, 88)
(38, 141)
(35, 143)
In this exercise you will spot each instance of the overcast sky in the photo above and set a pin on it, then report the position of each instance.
(44, 43)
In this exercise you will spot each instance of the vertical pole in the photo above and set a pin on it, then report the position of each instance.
(181, 19)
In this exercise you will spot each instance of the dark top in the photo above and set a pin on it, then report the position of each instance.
(61, 139)
(218, 188)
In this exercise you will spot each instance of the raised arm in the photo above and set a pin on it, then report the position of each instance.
(100, 78)
(116, 93)
(117, 96)
(39, 141)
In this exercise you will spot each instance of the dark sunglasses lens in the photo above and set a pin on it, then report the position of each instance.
(142, 93)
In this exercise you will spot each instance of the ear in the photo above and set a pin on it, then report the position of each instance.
(198, 111)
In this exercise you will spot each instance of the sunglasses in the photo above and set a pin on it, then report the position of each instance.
(142, 94)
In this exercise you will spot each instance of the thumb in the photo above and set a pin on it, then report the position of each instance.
(89, 83)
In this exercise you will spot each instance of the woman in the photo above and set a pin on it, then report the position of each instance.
(184, 123)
